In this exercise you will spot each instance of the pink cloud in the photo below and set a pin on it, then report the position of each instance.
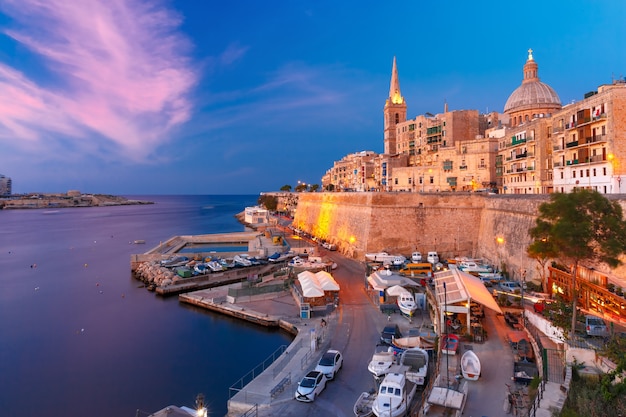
(122, 71)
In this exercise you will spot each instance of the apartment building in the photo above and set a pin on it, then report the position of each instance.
(5, 186)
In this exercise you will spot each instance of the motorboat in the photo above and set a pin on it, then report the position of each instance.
(395, 395)
(383, 358)
(406, 303)
(416, 257)
(416, 359)
(470, 366)
(446, 401)
(215, 266)
(201, 268)
(473, 266)
(241, 261)
(449, 344)
(385, 258)
(363, 405)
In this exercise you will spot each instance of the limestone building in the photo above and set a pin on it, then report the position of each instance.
(5, 186)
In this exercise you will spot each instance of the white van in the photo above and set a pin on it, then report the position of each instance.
(432, 257)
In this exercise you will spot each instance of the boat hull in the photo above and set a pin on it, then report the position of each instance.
(363, 405)
(470, 366)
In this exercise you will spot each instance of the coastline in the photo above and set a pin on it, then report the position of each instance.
(69, 200)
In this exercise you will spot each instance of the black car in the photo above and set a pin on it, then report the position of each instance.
(389, 333)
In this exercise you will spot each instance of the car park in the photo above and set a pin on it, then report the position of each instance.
(389, 333)
(310, 386)
(330, 363)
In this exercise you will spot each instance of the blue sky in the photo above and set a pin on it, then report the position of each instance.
(206, 97)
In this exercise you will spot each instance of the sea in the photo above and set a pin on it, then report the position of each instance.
(80, 336)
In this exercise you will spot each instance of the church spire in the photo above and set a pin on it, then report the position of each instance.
(395, 97)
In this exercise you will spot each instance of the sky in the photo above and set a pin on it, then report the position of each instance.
(136, 97)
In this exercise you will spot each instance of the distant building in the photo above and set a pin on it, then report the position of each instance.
(5, 186)
(256, 216)
(535, 146)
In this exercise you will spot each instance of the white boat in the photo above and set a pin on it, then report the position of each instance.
(382, 360)
(406, 303)
(385, 258)
(403, 343)
(394, 397)
(416, 359)
(473, 266)
(416, 257)
(363, 405)
(241, 261)
(470, 366)
(215, 266)
(201, 268)
(445, 401)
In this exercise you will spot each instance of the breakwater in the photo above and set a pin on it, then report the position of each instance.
(493, 227)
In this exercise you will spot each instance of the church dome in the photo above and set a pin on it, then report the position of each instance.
(532, 93)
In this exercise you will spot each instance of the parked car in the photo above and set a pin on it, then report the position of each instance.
(330, 363)
(310, 386)
(510, 286)
(595, 326)
(389, 333)
(329, 246)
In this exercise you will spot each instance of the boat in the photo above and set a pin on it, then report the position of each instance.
(215, 266)
(395, 395)
(416, 359)
(406, 303)
(201, 268)
(445, 401)
(449, 344)
(241, 261)
(472, 266)
(401, 344)
(383, 358)
(363, 405)
(139, 242)
(470, 366)
(385, 258)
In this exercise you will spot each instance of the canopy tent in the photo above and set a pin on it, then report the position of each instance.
(309, 284)
(326, 281)
(461, 286)
(396, 290)
(381, 280)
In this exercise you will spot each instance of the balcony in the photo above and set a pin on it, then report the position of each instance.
(558, 164)
(530, 168)
(570, 125)
(463, 167)
(521, 155)
(557, 147)
(572, 162)
(571, 144)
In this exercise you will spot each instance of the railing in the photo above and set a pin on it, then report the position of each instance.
(571, 144)
(256, 371)
(557, 164)
(532, 411)
(521, 155)
(557, 148)
(253, 411)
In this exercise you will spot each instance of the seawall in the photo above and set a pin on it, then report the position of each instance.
(493, 227)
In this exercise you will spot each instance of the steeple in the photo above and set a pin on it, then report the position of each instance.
(395, 111)
(395, 97)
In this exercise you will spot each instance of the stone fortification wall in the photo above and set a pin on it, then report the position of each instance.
(453, 224)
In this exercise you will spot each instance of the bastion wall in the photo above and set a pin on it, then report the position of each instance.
(492, 227)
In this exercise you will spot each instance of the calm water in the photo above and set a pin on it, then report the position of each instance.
(77, 335)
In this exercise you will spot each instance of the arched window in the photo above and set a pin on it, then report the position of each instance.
(397, 117)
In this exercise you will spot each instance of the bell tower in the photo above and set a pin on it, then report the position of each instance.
(394, 111)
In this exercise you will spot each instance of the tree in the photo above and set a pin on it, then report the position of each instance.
(301, 187)
(286, 187)
(542, 250)
(270, 202)
(314, 187)
(330, 187)
(576, 227)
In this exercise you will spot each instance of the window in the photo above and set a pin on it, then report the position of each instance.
(397, 118)
(594, 172)
(395, 180)
(574, 173)
(432, 180)
(604, 171)
(587, 172)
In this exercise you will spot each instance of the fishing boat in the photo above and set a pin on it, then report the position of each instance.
(416, 360)
(241, 261)
(449, 344)
(363, 405)
(385, 258)
(201, 268)
(403, 343)
(395, 395)
(406, 303)
(470, 366)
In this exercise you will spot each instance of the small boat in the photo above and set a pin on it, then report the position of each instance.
(363, 405)
(473, 266)
(385, 258)
(449, 344)
(445, 401)
(241, 261)
(383, 358)
(406, 303)
(201, 268)
(470, 366)
(416, 360)
(139, 242)
(403, 343)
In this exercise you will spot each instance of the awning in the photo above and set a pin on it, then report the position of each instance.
(396, 290)
(326, 281)
(461, 286)
(310, 287)
(375, 284)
